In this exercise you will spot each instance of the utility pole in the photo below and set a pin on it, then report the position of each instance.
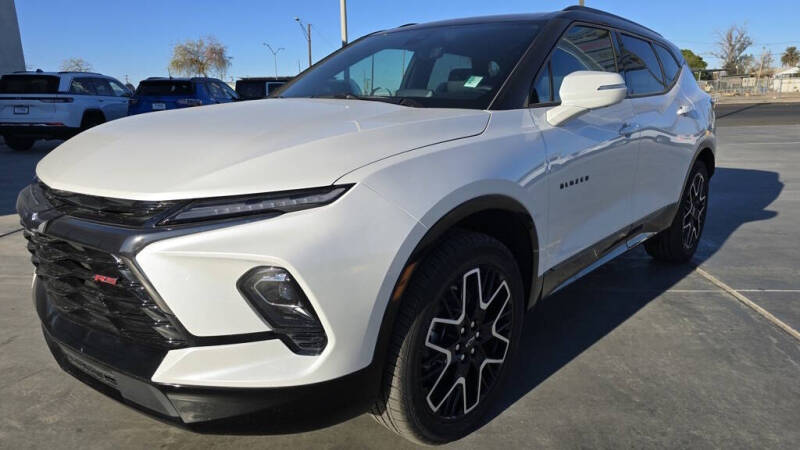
(274, 55)
(580, 2)
(343, 20)
(307, 35)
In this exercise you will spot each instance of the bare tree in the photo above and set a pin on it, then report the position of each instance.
(731, 46)
(790, 57)
(75, 65)
(765, 62)
(202, 57)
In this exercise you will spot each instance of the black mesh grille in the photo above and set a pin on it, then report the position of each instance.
(99, 291)
(106, 209)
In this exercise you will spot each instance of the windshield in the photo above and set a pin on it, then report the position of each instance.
(166, 88)
(454, 66)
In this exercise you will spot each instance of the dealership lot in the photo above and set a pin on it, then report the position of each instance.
(637, 354)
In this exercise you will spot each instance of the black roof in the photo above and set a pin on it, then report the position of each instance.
(570, 13)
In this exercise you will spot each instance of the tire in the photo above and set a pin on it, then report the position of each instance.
(91, 119)
(422, 398)
(19, 144)
(678, 243)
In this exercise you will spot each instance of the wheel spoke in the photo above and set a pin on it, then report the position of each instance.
(467, 342)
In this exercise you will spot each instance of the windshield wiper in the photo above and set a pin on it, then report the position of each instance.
(403, 101)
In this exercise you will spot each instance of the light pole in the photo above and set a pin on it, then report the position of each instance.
(274, 55)
(343, 20)
(307, 34)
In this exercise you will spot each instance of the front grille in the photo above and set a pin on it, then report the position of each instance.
(99, 291)
(106, 209)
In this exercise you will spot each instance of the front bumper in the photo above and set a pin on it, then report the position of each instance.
(122, 370)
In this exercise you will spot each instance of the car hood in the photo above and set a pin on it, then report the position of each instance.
(249, 147)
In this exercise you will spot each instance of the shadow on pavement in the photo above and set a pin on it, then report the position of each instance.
(738, 109)
(563, 326)
(17, 170)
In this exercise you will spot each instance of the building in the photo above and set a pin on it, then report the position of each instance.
(11, 57)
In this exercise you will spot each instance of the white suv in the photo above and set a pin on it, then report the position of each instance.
(374, 235)
(45, 105)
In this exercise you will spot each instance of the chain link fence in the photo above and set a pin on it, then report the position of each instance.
(743, 86)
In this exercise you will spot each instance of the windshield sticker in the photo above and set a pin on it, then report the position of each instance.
(472, 81)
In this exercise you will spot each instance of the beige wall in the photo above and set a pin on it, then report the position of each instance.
(11, 57)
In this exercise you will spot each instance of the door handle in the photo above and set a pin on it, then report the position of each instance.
(628, 129)
(685, 110)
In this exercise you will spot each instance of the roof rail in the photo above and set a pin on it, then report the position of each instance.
(407, 24)
(79, 71)
(608, 14)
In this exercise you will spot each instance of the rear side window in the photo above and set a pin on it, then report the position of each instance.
(640, 67)
(166, 88)
(29, 84)
(82, 86)
(581, 48)
(668, 63)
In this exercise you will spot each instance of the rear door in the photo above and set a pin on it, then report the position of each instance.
(28, 98)
(592, 162)
(667, 127)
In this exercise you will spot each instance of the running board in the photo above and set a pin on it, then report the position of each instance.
(611, 254)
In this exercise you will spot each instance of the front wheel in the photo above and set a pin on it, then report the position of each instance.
(19, 144)
(457, 331)
(678, 243)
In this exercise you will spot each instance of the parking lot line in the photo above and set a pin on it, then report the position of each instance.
(738, 296)
(10, 232)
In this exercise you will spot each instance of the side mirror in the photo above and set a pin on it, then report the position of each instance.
(585, 90)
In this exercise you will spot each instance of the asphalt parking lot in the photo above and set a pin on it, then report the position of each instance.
(637, 354)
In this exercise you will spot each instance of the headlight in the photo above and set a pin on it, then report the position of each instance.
(280, 301)
(277, 202)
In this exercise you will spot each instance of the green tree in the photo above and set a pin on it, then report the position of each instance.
(790, 57)
(202, 57)
(695, 61)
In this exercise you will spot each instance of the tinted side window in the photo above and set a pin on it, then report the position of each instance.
(671, 67)
(581, 48)
(82, 86)
(640, 67)
(227, 91)
(119, 89)
(102, 87)
(541, 88)
(215, 90)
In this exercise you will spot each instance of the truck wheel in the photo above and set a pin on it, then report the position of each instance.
(455, 335)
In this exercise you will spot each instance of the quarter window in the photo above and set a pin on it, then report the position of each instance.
(668, 63)
(581, 48)
(640, 66)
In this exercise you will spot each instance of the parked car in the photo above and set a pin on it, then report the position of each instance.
(253, 88)
(159, 94)
(370, 238)
(56, 105)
